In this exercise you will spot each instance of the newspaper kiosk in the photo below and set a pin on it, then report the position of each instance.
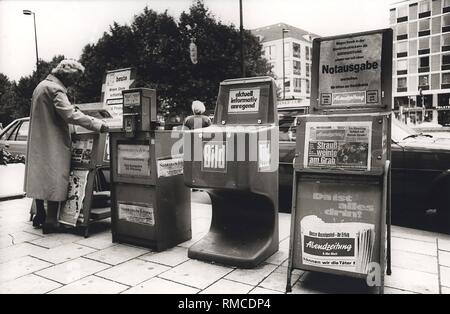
(340, 212)
(236, 160)
(151, 206)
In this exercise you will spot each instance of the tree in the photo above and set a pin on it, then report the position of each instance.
(158, 48)
(15, 98)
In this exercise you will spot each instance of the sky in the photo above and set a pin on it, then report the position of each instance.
(65, 27)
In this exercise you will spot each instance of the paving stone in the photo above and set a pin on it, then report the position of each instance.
(444, 243)
(133, 272)
(299, 288)
(259, 290)
(252, 276)
(73, 270)
(412, 280)
(20, 250)
(389, 290)
(117, 254)
(91, 285)
(63, 253)
(444, 258)
(414, 261)
(284, 225)
(413, 234)
(100, 241)
(278, 257)
(196, 274)
(420, 247)
(445, 275)
(224, 286)
(171, 257)
(29, 284)
(445, 290)
(329, 283)
(277, 280)
(20, 267)
(55, 239)
(161, 286)
(17, 237)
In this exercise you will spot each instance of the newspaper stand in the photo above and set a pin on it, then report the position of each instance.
(340, 221)
(236, 160)
(151, 206)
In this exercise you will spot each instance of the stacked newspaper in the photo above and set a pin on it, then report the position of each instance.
(346, 246)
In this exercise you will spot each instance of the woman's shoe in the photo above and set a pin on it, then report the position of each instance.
(38, 221)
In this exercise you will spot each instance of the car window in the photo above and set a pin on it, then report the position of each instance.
(10, 133)
(22, 133)
(287, 126)
(400, 130)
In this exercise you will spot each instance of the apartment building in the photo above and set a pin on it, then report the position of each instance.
(421, 65)
(297, 60)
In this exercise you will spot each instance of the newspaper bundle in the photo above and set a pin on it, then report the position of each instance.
(346, 246)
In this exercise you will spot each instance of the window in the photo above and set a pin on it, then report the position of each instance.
(402, 11)
(7, 135)
(22, 134)
(424, 62)
(446, 3)
(297, 85)
(392, 16)
(402, 66)
(413, 11)
(445, 42)
(423, 80)
(402, 83)
(445, 78)
(424, 7)
(308, 70)
(296, 50)
(446, 59)
(446, 23)
(308, 87)
(402, 31)
(424, 45)
(424, 25)
(297, 67)
(308, 53)
(402, 49)
(272, 52)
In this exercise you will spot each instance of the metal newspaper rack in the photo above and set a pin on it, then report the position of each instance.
(340, 221)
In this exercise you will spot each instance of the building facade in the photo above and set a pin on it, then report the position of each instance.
(421, 65)
(297, 59)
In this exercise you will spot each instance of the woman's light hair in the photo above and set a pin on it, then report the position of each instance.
(68, 66)
(198, 107)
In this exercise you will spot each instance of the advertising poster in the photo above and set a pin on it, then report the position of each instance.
(244, 100)
(170, 167)
(82, 150)
(341, 145)
(139, 213)
(337, 224)
(70, 210)
(133, 160)
(350, 71)
(116, 82)
(214, 156)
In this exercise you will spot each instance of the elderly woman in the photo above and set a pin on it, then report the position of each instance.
(198, 120)
(49, 142)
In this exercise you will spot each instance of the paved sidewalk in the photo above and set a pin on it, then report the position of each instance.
(67, 263)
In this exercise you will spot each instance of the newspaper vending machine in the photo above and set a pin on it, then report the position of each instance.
(341, 197)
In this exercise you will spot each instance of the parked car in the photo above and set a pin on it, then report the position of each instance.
(14, 136)
(420, 174)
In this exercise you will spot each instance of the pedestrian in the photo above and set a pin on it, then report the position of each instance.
(49, 142)
(198, 120)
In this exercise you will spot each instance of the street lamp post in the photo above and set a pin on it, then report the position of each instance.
(28, 12)
(241, 31)
(283, 31)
